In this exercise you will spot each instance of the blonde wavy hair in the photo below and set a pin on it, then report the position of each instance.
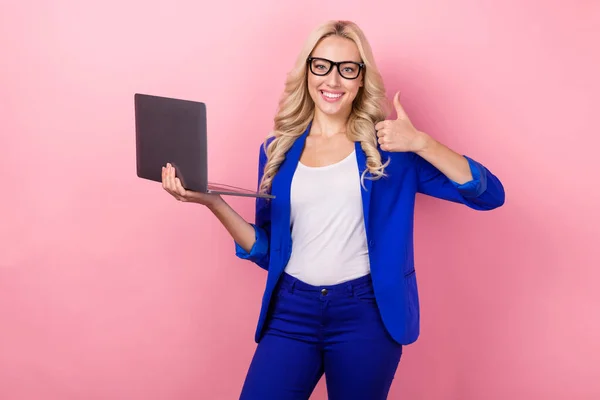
(296, 107)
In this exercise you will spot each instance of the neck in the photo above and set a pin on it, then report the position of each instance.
(328, 125)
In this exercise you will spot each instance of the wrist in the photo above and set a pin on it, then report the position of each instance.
(215, 204)
(425, 143)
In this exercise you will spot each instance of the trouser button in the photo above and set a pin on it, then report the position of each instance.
(324, 292)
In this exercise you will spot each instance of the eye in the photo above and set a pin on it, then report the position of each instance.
(320, 65)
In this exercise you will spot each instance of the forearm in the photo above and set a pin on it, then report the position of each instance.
(241, 231)
(453, 165)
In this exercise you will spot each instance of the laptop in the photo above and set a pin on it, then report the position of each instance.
(169, 130)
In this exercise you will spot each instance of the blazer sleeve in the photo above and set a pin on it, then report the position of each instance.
(259, 253)
(484, 192)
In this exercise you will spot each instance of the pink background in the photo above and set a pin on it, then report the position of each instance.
(103, 292)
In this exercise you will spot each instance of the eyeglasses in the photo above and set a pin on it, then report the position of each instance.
(322, 67)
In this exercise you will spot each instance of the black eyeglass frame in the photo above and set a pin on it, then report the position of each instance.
(360, 65)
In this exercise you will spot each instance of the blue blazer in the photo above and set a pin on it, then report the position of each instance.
(388, 209)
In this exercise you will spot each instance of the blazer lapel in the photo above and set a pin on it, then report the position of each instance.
(281, 208)
(286, 173)
(361, 158)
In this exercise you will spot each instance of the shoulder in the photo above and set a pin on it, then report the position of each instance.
(262, 153)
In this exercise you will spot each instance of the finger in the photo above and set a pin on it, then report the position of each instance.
(166, 177)
(383, 124)
(171, 178)
(179, 189)
(383, 144)
(177, 186)
(382, 132)
(400, 113)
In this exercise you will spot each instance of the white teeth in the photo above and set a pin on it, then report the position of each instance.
(331, 95)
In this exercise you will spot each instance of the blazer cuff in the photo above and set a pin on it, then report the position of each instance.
(478, 184)
(259, 248)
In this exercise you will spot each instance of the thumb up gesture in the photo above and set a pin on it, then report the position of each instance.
(399, 135)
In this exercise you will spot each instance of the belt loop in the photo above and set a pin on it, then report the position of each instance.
(292, 286)
(350, 288)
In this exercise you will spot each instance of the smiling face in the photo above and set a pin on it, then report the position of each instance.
(334, 93)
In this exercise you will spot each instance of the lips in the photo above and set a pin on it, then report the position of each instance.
(331, 96)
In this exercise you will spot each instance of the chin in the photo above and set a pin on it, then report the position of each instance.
(333, 109)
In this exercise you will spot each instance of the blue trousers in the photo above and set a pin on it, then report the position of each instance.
(315, 330)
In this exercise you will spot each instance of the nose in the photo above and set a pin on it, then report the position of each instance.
(333, 78)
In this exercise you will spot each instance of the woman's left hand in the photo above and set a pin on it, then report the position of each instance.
(400, 135)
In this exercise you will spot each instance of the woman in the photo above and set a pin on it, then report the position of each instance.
(337, 239)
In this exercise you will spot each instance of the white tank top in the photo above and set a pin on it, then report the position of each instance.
(329, 243)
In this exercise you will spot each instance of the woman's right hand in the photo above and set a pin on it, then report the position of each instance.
(173, 186)
(241, 231)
